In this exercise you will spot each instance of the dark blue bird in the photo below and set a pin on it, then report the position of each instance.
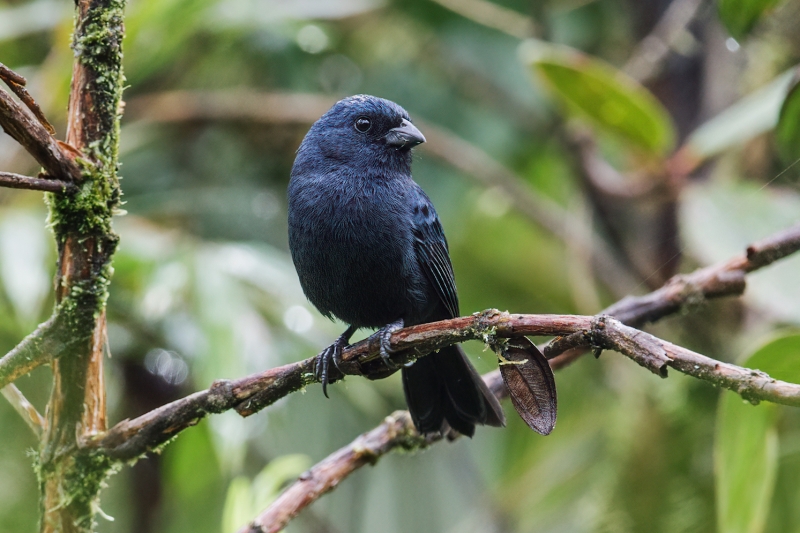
(369, 250)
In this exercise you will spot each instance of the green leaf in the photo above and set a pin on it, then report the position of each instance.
(740, 16)
(238, 509)
(787, 132)
(779, 357)
(245, 499)
(746, 443)
(751, 116)
(746, 460)
(269, 482)
(606, 96)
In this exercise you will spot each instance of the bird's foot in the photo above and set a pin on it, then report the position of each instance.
(332, 353)
(385, 334)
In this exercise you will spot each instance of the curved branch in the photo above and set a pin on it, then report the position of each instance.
(723, 279)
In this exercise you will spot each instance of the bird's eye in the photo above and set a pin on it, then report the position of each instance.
(363, 124)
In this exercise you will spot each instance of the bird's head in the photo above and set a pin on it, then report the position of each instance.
(362, 132)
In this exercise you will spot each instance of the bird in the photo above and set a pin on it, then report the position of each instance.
(369, 250)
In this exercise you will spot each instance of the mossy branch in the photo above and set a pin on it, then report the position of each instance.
(47, 341)
(70, 476)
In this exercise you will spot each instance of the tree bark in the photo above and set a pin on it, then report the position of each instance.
(70, 477)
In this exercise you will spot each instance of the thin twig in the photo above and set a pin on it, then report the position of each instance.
(26, 410)
(58, 159)
(18, 181)
(684, 292)
(17, 84)
(9, 76)
(722, 279)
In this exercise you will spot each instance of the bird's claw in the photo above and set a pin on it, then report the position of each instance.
(332, 353)
(385, 335)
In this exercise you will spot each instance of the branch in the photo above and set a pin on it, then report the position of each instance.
(58, 159)
(69, 481)
(17, 84)
(131, 438)
(722, 279)
(17, 181)
(397, 431)
(46, 342)
(26, 410)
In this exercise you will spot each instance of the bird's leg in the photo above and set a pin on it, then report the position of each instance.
(385, 334)
(331, 353)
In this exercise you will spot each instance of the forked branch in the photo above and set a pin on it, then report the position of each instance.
(32, 131)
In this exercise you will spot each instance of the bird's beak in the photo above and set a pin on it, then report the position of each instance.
(405, 136)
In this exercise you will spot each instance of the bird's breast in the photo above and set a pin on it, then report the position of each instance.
(354, 252)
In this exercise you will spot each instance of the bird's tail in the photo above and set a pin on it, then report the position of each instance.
(445, 387)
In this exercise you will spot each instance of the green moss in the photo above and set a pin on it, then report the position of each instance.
(97, 44)
(83, 475)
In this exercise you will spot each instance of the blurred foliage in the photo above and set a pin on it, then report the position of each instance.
(204, 287)
(740, 16)
(603, 94)
(746, 443)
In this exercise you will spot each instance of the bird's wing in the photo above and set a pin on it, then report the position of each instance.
(432, 252)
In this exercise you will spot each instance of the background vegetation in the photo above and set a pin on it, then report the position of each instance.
(204, 287)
